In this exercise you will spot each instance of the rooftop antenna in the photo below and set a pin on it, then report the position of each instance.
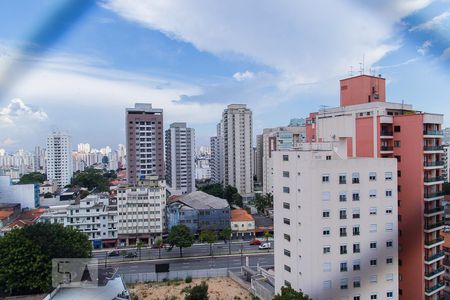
(361, 66)
(351, 71)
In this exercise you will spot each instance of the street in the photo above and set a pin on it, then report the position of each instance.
(182, 264)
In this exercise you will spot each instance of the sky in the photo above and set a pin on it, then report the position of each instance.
(75, 65)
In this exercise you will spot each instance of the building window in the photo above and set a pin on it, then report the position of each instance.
(343, 214)
(286, 174)
(286, 205)
(287, 237)
(343, 231)
(326, 196)
(344, 284)
(388, 210)
(373, 279)
(287, 268)
(355, 230)
(356, 283)
(373, 228)
(372, 194)
(390, 295)
(397, 128)
(356, 248)
(388, 193)
(356, 265)
(397, 144)
(287, 283)
(327, 267)
(327, 284)
(287, 253)
(287, 221)
(388, 176)
(342, 179)
(342, 197)
(343, 249)
(285, 157)
(389, 227)
(328, 157)
(286, 189)
(355, 178)
(372, 176)
(355, 213)
(372, 211)
(355, 196)
(325, 178)
(326, 249)
(389, 260)
(373, 262)
(357, 297)
(373, 245)
(326, 231)
(343, 267)
(373, 297)
(389, 244)
(326, 214)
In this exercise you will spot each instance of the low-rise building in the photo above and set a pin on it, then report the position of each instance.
(25, 194)
(198, 211)
(8, 213)
(242, 224)
(141, 210)
(47, 187)
(92, 215)
(25, 219)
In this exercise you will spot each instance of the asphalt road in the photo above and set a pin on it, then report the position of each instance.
(193, 251)
(199, 263)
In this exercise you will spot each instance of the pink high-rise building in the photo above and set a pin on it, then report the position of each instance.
(374, 128)
(145, 144)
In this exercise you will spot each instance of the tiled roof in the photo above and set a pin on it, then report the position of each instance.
(239, 215)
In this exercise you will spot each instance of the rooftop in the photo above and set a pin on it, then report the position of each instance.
(202, 200)
(240, 215)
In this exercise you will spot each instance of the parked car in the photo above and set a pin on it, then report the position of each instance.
(114, 253)
(255, 242)
(130, 255)
(265, 246)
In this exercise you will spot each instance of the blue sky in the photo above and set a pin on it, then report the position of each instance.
(75, 65)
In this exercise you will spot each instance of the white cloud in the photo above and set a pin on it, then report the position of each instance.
(445, 54)
(243, 76)
(8, 142)
(423, 49)
(18, 111)
(433, 23)
(304, 40)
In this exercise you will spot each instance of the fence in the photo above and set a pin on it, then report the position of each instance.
(146, 277)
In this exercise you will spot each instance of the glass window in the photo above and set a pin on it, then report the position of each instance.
(286, 189)
(389, 260)
(373, 279)
(325, 178)
(355, 178)
(372, 193)
(356, 230)
(356, 265)
(355, 196)
(285, 157)
(388, 176)
(326, 231)
(326, 214)
(286, 205)
(287, 253)
(389, 226)
(388, 193)
(326, 196)
(286, 174)
(342, 196)
(388, 210)
(372, 176)
(373, 228)
(356, 248)
(373, 262)
(343, 214)
(343, 267)
(342, 179)
(287, 221)
(326, 249)
(327, 267)
(327, 284)
(287, 268)
(372, 211)
(343, 249)
(389, 244)
(343, 231)
(287, 237)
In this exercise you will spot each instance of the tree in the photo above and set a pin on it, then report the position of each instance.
(267, 236)
(198, 292)
(210, 237)
(26, 256)
(237, 200)
(228, 193)
(139, 246)
(225, 234)
(159, 244)
(287, 293)
(48, 195)
(213, 189)
(263, 202)
(91, 179)
(34, 177)
(180, 236)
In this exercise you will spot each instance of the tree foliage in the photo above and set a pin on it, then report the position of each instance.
(26, 254)
(180, 236)
(287, 293)
(263, 202)
(198, 292)
(34, 177)
(229, 193)
(92, 178)
(210, 237)
(225, 235)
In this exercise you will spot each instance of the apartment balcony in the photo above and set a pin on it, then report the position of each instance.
(386, 134)
(433, 226)
(386, 149)
(435, 273)
(433, 180)
(433, 133)
(434, 258)
(437, 164)
(429, 291)
(431, 196)
(434, 243)
(430, 212)
(433, 149)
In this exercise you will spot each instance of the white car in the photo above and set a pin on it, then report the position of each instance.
(264, 246)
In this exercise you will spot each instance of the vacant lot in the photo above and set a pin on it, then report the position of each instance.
(222, 288)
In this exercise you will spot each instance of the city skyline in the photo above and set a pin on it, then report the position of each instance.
(194, 76)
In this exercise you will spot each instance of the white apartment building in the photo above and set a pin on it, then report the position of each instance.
(238, 148)
(217, 158)
(445, 158)
(141, 211)
(94, 215)
(59, 159)
(336, 224)
(180, 159)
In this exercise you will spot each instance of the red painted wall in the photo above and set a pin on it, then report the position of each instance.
(364, 137)
(362, 89)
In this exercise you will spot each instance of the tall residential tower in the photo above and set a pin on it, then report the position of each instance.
(59, 158)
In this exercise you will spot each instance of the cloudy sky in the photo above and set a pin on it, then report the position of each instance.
(75, 65)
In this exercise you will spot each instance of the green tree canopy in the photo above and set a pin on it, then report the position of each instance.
(263, 202)
(92, 178)
(213, 189)
(225, 235)
(287, 293)
(26, 254)
(210, 237)
(34, 177)
(180, 236)
(198, 292)
(229, 193)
